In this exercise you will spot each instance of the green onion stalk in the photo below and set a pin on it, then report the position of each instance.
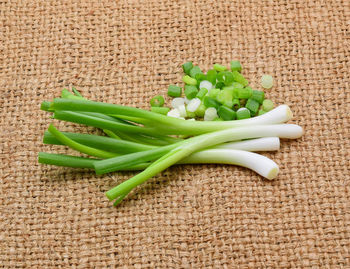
(194, 144)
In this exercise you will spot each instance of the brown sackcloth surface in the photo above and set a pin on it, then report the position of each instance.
(202, 216)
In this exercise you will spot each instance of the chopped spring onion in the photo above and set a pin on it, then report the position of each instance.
(157, 101)
(182, 111)
(206, 84)
(189, 81)
(200, 77)
(175, 113)
(213, 93)
(211, 76)
(200, 110)
(226, 77)
(237, 85)
(160, 110)
(261, 112)
(219, 67)
(178, 101)
(245, 93)
(174, 91)
(266, 81)
(243, 113)
(202, 92)
(258, 96)
(224, 96)
(219, 85)
(190, 91)
(238, 77)
(210, 114)
(210, 102)
(253, 106)
(226, 113)
(190, 114)
(267, 105)
(236, 66)
(193, 105)
(194, 71)
(236, 104)
(186, 67)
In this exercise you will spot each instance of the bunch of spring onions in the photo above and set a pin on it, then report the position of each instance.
(150, 141)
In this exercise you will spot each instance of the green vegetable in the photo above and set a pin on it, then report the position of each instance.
(191, 145)
(236, 66)
(245, 93)
(157, 101)
(253, 106)
(186, 67)
(261, 112)
(79, 147)
(226, 113)
(160, 110)
(211, 76)
(200, 110)
(220, 85)
(66, 160)
(190, 91)
(200, 77)
(154, 140)
(225, 77)
(238, 77)
(242, 113)
(236, 104)
(267, 105)
(76, 92)
(266, 81)
(210, 102)
(189, 81)
(237, 85)
(202, 92)
(258, 96)
(214, 92)
(174, 91)
(224, 96)
(194, 71)
(219, 67)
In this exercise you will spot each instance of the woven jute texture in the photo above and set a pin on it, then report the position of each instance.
(192, 216)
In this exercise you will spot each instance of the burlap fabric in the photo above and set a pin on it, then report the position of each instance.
(189, 216)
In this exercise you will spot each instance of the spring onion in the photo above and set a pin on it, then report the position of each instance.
(267, 105)
(202, 92)
(194, 71)
(253, 106)
(160, 110)
(157, 101)
(189, 81)
(226, 113)
(243, 113)
(190, 91)
(210, 114)
(236, 66)
(186, 67)
(239, 78)
(178, 101)
(193, 105)
(219, 67)
(266, 81)
(237, 120)
(174, 91)
(206, 84)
